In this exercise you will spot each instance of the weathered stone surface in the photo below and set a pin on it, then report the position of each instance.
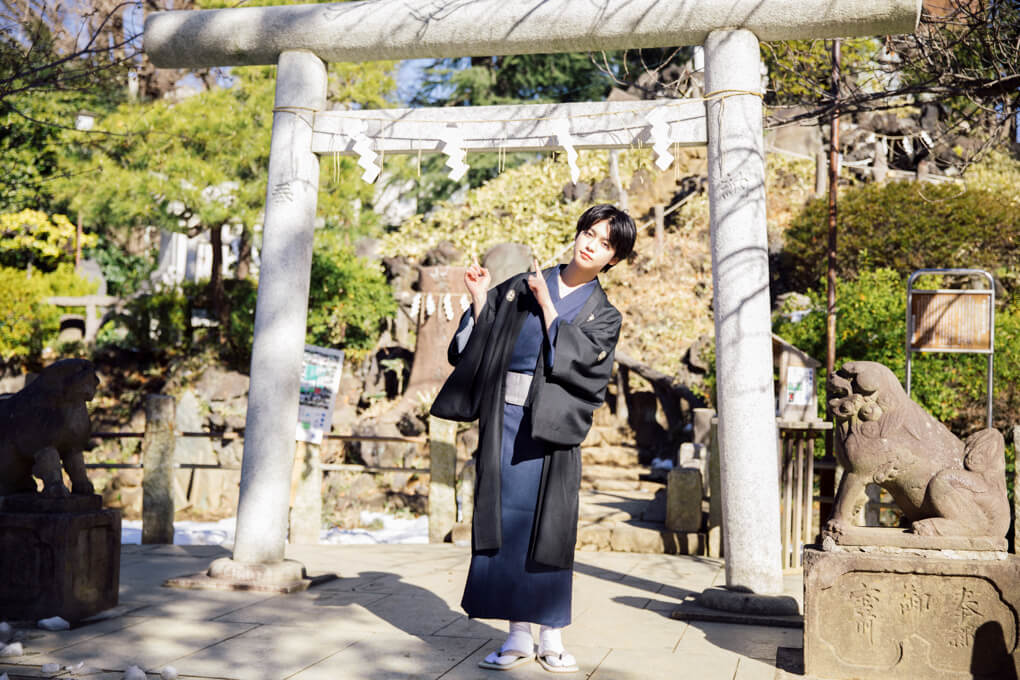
(621, 456)
(684, 490)
(615, 484)
(371, 30)
(902, 538)
(63, 564)
(44, 428)
(945, 487)
(306, 496)
(217, 384)
(443, 478)
(504, 260)
(594, 537)
(902, 617)
(742, 311)
(157, 482)
(655, 511)
(600, 472)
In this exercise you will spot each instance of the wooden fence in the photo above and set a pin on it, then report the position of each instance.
(798, 467)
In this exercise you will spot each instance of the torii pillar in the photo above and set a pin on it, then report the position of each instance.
(395, 29)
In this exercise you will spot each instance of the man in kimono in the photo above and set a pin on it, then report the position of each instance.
(532, 359)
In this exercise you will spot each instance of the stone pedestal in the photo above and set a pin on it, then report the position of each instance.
(58, 557)
(903, 613)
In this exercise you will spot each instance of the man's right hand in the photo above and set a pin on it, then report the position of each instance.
(477, 280)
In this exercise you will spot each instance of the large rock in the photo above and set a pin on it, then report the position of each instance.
(217, 384)
(902, 615)
(202, 488)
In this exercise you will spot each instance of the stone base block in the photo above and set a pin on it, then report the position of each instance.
(58, 564)
(902, 616)
(684, 491)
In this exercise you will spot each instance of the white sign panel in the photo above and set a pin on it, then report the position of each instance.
(800, 385)
(320, 380)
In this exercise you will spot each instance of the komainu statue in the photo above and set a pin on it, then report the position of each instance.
(45, 427)
(945, 487)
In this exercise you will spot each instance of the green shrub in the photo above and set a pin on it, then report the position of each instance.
(348, 300)
(27, 322)
(905, 226)
(158, 322)
(871, 326)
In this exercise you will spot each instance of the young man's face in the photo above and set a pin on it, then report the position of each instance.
(592, 249)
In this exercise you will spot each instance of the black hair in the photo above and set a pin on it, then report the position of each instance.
(622, 231)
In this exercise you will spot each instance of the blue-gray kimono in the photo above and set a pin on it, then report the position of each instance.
(572, 367)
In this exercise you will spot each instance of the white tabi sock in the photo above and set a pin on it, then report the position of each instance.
(520, 638)
(550, 640)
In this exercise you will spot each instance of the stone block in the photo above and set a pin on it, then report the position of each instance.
(594, 537)
(683, 499)
(63, 564)
(620, 456)
(901, 614)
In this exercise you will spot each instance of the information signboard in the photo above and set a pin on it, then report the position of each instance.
(320, 380)
(950, 320)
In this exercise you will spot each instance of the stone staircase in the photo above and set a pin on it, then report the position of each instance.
(622, 507)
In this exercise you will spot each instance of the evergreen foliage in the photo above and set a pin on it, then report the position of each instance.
(28, 323)
(871, 326)
(31, 238)
(906, 226)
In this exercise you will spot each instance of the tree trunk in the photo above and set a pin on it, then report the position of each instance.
(217, 294)
(243, 256)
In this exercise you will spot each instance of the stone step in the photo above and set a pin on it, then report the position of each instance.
(611, 484)
(637, 537)
(620, 456)
(600, 472)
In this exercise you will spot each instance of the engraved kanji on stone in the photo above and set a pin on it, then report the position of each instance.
(967, 619)
(915, 601)
(865, 602)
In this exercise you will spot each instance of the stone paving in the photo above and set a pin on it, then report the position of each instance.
(394, 614)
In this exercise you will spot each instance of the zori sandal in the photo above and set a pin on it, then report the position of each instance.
(505, 659)
(557, 662)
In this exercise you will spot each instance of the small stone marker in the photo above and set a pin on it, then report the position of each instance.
(134, 673)
(157, 485)
(443, 481)
(683, 499)
(168, 673)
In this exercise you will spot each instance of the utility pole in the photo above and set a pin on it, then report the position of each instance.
(827, 478)
(830, 319)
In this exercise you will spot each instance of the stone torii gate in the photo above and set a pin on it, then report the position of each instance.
(300, 39)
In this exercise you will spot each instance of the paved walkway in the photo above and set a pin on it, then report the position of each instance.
(394, 614)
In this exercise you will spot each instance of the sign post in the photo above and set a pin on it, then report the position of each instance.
(951, 320)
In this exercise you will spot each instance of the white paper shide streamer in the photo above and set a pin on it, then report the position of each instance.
(561, 127)
(660, 137)
(465, 302)
(415, 306)
(430, 305)
(453, 142)
(448, 307)
(363, 147)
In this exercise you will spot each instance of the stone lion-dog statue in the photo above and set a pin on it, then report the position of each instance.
(945, 487)
(44, 428)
